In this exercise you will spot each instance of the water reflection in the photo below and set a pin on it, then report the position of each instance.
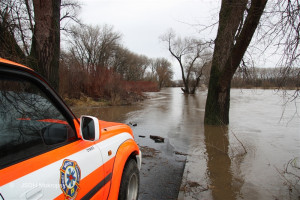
(219, 163)
(29, 122)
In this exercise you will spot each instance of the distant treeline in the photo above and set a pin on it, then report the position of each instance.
(288, 78)
(95, 64)
(282, 78)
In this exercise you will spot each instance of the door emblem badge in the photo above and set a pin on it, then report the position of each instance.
(70, 175)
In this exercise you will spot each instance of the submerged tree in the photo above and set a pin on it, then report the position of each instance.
(192, 55)
(238, 20)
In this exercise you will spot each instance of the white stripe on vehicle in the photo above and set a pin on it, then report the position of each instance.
(44, 183)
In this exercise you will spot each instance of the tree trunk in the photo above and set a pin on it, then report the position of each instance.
(196, 83)
(185, 90)
(9, 47)
(232, 41)
(46, 39)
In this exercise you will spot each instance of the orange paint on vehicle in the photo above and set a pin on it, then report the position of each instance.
(55, 121)
(28, 166)
(35, 163)
(107, 170)
(104, 193)
(90, 181)
(108, 129)
(114, 166)
(105, 124)
(107, 132)
(77, 127)
(24, 119)
(13, 63)
(124, 151)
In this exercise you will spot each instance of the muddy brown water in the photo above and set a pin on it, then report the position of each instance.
(252, 158)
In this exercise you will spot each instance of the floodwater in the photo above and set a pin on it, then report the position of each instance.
(255, 157)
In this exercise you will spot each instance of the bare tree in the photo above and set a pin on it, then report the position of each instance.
(30, 34)
(238, 20)
(163, 71)
(97, 47)
(94, 46)
(69, 11)
(200, 70)
(192, 55)
(281, 25)
(15, 38)
(131, 66)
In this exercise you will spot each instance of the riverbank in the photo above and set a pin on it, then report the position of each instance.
(133, 97)
(116, 100)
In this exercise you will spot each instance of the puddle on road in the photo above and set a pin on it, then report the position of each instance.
(272, 141)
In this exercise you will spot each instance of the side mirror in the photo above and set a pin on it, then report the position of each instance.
(89, 128)
(55, 134)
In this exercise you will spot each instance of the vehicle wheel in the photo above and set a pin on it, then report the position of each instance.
(129, 189)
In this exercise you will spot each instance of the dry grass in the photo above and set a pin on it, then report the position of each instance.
(85, 101)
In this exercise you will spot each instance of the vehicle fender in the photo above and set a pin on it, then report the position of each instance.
(126, 150)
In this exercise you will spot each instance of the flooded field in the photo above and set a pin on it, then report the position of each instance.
(255, 157)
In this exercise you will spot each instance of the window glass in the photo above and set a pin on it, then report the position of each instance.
(29, 123)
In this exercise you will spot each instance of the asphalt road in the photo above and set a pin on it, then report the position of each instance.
(162, 170)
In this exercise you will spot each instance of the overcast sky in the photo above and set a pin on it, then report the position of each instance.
(141, 22)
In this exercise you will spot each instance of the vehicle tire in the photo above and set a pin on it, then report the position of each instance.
(129, 188)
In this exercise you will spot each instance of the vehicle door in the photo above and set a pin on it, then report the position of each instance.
(41, 154)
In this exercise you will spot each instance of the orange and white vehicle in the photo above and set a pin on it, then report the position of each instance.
(47, 153)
